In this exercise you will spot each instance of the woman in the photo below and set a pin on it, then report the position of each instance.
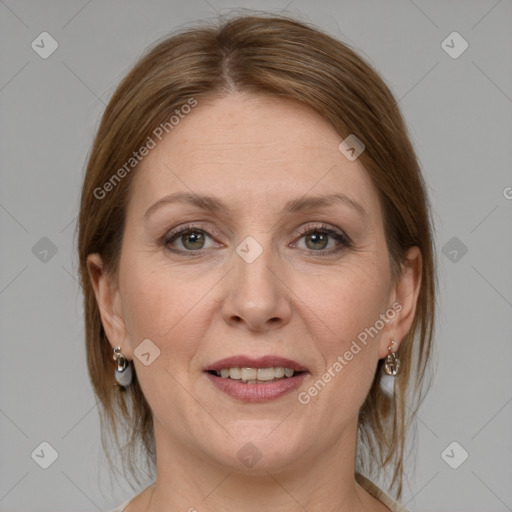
(256, 259)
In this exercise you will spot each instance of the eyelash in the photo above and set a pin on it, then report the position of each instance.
(339, 236)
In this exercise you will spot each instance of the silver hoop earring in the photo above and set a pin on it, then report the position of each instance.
(392, 362)
(123, 371)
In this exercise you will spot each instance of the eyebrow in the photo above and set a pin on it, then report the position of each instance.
(214, 205)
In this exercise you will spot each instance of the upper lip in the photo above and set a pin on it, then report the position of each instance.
(267, 361)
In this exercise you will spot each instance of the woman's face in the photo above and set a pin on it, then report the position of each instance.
(282, 255)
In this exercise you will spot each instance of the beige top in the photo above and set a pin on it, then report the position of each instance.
(368, 485)
(379, 494)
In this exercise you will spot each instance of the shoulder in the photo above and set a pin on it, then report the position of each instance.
(379, 494)
(122, 508)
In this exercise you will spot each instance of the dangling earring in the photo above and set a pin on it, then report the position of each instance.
(123, 370)
(392, 362)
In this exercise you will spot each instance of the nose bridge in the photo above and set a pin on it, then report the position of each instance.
(253, 261)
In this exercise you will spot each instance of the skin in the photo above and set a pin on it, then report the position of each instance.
(254, 153)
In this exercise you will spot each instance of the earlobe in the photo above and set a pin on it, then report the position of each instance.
(107, 298)
(406, 292)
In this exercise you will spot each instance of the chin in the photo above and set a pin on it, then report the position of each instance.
(260, 451)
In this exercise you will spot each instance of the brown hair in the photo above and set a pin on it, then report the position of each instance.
(282, 57)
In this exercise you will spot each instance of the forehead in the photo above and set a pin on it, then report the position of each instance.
(254, 152)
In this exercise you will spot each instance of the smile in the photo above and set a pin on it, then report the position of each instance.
(256, 380)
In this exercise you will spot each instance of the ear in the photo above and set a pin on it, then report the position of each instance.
(108, 299)
(404, 299)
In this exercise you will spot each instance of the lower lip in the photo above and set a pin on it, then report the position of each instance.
(257, 392)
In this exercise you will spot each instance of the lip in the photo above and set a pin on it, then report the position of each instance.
(261, 392)
(267, 361)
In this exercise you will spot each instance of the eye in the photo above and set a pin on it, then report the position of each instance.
(187, 239)
(318, 240)
(322, 240)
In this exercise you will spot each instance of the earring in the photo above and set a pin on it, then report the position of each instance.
(392, 362)
(123, 372)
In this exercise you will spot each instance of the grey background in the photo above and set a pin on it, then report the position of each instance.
(459, 113)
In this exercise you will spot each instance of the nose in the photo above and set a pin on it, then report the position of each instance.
(258, 298)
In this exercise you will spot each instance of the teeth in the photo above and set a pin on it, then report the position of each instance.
(248, 373)
(254, 375)
(266, 374)
(235, 373)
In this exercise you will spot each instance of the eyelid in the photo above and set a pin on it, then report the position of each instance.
(304, 230)
(190, 227)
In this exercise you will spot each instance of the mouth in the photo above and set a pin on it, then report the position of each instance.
(256, 380)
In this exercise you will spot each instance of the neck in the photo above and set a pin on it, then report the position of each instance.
(189, 481)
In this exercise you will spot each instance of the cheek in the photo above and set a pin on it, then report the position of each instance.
(165, 305)
(347, 300)
(161, 305)
(347, 305)
(149, 306)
